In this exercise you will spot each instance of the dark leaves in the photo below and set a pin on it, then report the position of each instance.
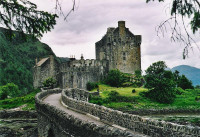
(25, 17)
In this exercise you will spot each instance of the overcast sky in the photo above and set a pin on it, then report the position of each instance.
(91, 19)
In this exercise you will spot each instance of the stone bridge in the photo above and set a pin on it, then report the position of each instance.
(67, 112)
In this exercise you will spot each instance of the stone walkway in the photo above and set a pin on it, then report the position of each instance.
(54, 99)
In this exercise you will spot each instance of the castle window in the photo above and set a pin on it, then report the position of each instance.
(124, 55)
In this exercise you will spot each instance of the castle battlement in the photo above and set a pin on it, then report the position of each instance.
(118, 49)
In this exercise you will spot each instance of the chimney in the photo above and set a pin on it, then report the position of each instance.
(121, 25)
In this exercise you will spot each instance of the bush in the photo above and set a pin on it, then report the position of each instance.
(127, 84)
(133, 91)
(197, 98)
(115, 78)
(10, 89)
(114, 96)
(3, 94)
(160, 83)
(179, 91)
(91, 85)
(49, 82)
(184, 83)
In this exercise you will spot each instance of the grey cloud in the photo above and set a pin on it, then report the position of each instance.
(89, 22)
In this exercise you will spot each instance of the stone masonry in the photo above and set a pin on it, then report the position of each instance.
(118, 49)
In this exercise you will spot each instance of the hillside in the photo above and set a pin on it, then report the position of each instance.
(191, 73)
(17, 57)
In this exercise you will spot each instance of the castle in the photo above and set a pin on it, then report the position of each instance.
(118, 49)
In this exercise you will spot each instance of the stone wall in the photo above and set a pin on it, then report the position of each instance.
(42, 71)
(17, 114)
(132, 122)
(77, 73)
(121, 48)
(54, 122)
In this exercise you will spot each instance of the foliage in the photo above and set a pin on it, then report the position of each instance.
(49, 82)
(3, 94)
(91, 85)
(11, 89)
(160, 83)
(138, 79)
(186, 100)
(184, 83)
(182, 10)
(197, 86)
(179, 91)
(197, 98)
(18, 58)
(23, 16)
(115, 78)
(133, 91)
(113, 96)
(191, 73)
(29, 100)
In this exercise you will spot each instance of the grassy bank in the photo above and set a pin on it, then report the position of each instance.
(27, 101)
(184, 101)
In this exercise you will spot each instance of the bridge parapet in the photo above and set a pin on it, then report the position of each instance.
(54, 122)
(129, 121)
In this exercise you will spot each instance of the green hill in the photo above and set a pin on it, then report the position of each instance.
(17, 57)
(191, 73)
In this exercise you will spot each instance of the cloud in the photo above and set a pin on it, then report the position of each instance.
(89, 22)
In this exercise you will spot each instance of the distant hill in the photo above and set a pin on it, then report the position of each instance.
(191, 73)
(17, 57)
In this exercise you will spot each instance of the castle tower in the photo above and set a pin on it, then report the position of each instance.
(121, 48)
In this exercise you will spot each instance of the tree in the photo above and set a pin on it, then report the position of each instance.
(138, 79)
(115, 78)
(160, 83)
(182, 10)
(184, 83)
(23, 16)
(10, 89)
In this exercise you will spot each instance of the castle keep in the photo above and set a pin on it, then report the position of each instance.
(118, 49)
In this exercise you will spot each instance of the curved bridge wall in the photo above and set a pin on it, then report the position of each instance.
(53, 122)
(76, 98)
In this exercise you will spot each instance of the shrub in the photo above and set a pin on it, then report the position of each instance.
(160, 83)
(184, 83)
(115, 78)
(197, 98)
(133, 91)
(3, 94)
(49, 82)
(127, 84)
(10, 89)
(114, 96)
(91, 85)
(179, 91)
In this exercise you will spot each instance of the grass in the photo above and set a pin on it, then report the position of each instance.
(28, 101)
(184, 101)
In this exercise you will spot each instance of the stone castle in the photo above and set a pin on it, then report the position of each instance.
(118, 49)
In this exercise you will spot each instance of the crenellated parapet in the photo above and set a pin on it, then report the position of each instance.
(83, 65)
(121, 48)
(118, 49)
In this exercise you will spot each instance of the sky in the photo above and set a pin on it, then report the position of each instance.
(89, 22)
